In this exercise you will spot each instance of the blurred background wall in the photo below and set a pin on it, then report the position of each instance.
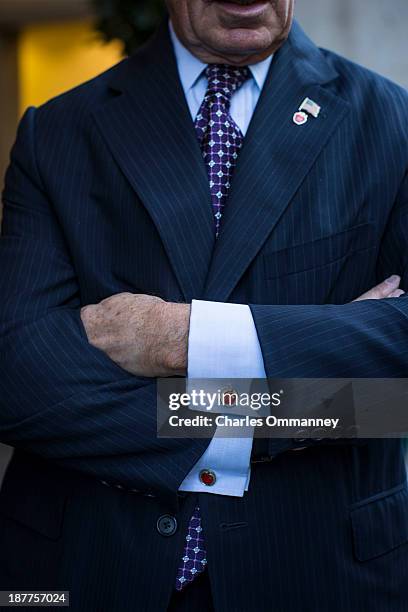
(46, 47)
(49, 46)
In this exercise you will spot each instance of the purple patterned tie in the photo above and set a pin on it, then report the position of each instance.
(220, 140)
(219, 136)
(194, 559)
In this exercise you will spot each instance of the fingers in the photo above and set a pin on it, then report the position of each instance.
(386, 289)
(397, 293)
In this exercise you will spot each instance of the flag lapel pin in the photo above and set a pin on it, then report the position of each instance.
(307, 109)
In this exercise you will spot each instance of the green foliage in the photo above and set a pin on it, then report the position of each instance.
(131, 21)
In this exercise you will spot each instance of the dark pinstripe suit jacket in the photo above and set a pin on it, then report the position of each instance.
(106, 193)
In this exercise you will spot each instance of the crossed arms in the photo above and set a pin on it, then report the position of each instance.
(80, 390)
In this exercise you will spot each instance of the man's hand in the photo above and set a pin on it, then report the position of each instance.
(387, 289)
(143, 334)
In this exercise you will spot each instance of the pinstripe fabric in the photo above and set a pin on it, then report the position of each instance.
(107, 192)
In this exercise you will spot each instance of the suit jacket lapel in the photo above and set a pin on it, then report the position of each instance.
(275, 158)
(147, 125)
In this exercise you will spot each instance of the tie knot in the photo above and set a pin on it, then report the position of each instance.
(224, 80)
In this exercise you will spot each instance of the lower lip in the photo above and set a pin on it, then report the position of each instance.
(244, 10)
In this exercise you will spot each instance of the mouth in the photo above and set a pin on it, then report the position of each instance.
(248, 8)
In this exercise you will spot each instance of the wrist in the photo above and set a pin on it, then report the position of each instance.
(174, 350)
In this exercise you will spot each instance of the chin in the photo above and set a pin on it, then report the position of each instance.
(242, 42)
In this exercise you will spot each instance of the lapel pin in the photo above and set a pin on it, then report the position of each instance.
(308, 107)
(300, 118)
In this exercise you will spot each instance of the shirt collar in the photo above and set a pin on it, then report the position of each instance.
(190, 67)
(260, 71)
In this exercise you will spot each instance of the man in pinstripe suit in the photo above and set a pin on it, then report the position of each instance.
(123, 259)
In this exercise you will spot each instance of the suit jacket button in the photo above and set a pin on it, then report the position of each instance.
(166, 525)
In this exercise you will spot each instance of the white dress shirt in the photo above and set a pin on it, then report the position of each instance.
(223, 342)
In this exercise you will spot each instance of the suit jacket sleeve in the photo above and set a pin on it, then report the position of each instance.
(365, 339)
(60, 397)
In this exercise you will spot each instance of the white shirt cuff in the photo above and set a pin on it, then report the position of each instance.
(223, 343)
